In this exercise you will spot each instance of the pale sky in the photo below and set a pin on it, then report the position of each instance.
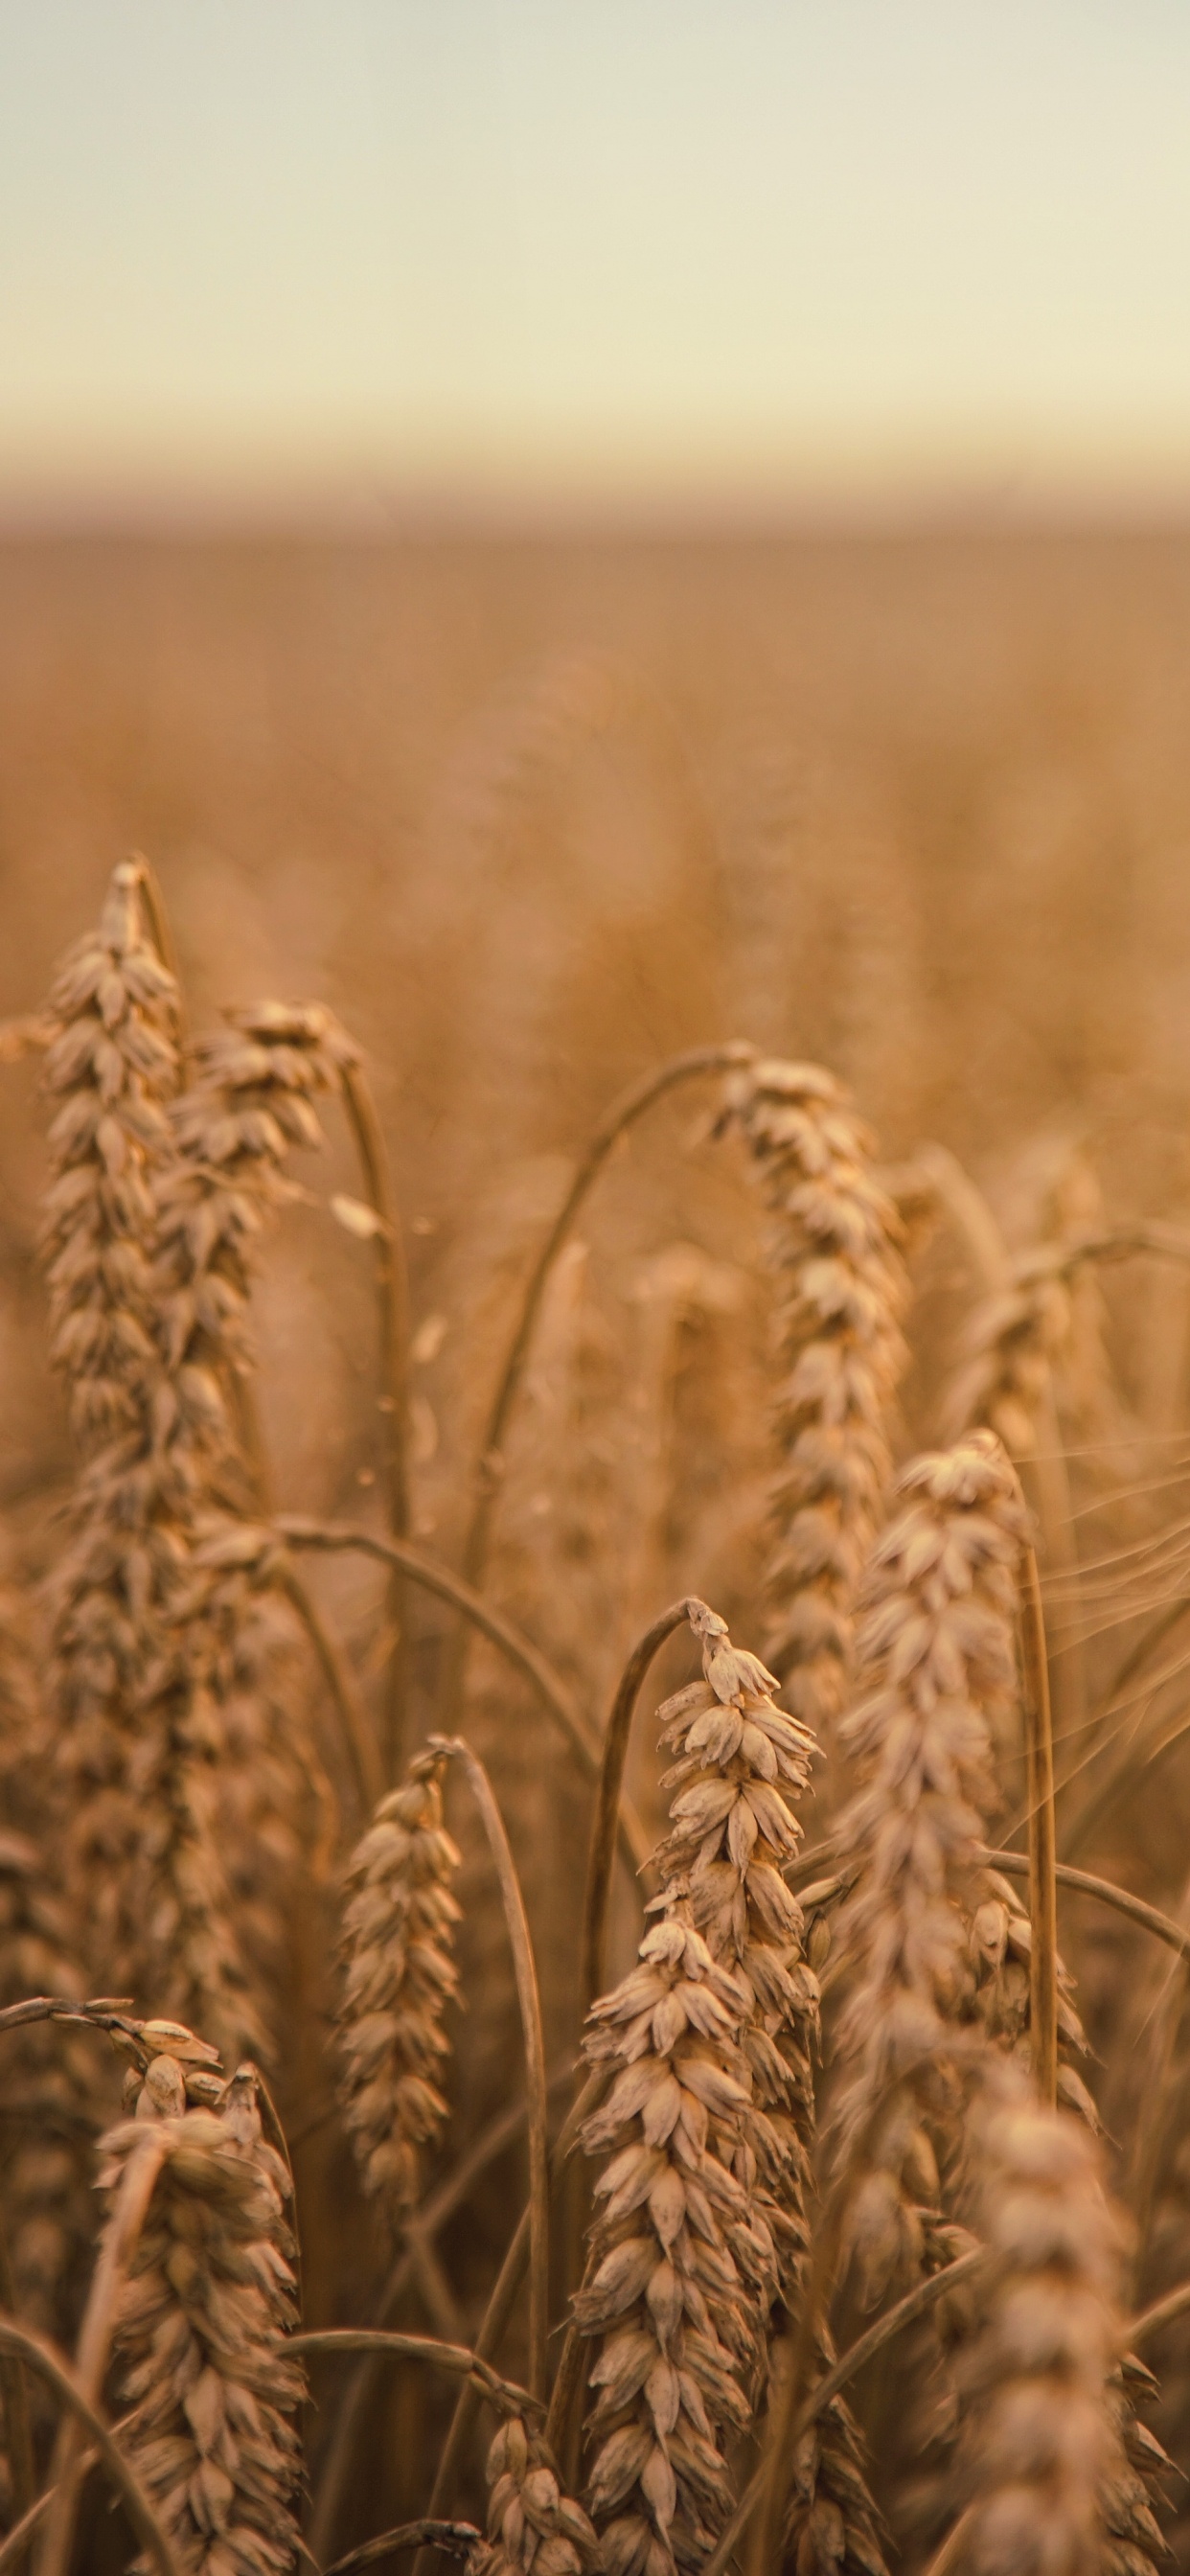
(532, 252)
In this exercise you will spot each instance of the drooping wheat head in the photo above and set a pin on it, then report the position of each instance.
(200, 2337)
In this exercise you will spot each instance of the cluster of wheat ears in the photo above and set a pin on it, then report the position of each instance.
(734, 2219)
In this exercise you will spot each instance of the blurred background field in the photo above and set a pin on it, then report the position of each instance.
(533, 814)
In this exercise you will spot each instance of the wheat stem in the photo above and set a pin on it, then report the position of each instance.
(336, 1672)
(300, 1532)
(1082, 1881)
(607, 1800)
(458, 2539)
(18, 2438)
(503, 2296)
(529, 2000)
(625, 1110)
(456, 2359)
(1153, 2320)
(432, 2215)
(915, 2304)
(1043, 1898)
(52, 2366)
(120, 2238)
(392, 1310)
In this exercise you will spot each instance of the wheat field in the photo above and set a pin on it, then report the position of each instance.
(595, 1235)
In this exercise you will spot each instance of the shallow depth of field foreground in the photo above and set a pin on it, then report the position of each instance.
(595, 1604)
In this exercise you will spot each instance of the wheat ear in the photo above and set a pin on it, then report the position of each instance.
(138, 1745)
(399, 1975)
(937, 1670)
(1042, 2444)
(935, 1939)
(741, 1761)
(834, 1247)
(683, 2265)
(533, 2529)
(664, 2290)
(202, 2325)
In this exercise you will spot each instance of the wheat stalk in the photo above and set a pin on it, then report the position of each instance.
(624, 1113)
(45, 2147)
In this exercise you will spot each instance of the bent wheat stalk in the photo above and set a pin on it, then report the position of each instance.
(915, 2304)
(503, 2296)
(457, 2360)
(624, 1113)
(121, 2235)
(40, 2355)
(529, 2000)
(607, 1802)
(456, 2539)
(500, 1632)
(1134, 1908)
(431, 2217)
